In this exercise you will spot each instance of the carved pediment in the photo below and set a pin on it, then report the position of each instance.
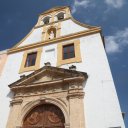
(48, 75)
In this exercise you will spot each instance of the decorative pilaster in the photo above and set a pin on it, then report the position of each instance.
(75, 96)
(14, 112)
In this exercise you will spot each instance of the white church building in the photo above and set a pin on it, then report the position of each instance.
(58, 76)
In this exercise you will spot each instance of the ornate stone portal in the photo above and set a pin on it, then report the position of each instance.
(49, 97)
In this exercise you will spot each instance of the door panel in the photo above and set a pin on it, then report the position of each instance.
(44, 116)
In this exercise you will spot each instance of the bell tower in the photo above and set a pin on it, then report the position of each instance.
(51, 21)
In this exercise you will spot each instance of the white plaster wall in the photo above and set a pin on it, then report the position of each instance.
(69, 27)
(34, 37)
(101, 103)
(102, 108)
(10, 74)
(49, 54)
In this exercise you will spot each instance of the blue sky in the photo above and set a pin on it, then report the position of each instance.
(17, 17)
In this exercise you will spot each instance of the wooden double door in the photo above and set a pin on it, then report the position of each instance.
(44, 116)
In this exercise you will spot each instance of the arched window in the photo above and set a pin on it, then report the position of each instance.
(52, 33)
(60, 16)
(46, 20)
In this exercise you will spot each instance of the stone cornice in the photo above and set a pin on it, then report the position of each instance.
(76, 94)
(69, 74)
(18, 101)
(54, 82)
(60, 39)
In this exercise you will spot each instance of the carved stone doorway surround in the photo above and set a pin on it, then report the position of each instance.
(61, 88)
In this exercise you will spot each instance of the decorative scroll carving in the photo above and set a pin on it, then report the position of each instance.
(45, 115)
(34, 118)
(53, 116)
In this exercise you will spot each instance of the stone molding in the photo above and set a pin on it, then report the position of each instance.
(64, 92)
(17, 101)
(66, 74)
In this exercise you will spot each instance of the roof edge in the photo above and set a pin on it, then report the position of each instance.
(54, 9)
(3, 51)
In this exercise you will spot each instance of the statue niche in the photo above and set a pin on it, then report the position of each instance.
(52, 33)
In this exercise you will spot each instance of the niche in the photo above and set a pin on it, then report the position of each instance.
(51, 33)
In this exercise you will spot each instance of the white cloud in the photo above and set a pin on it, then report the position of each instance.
(117, 42)
(111, 45)
(77, 4)
(115, 3)
(111, 4)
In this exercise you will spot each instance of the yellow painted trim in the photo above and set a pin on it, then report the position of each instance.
(55, 40)
(53, 17)
(23, 38)
(44, 33)
(68, 14)
(76, 59)
(54, 10)
(82, 24)
(37, 63)
(57, 12)
(53, 13)
(57, 27)
(69, 17)
(58, 30)
(51, 23)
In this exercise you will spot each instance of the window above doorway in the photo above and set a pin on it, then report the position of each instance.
(68, 53)
(31, 60)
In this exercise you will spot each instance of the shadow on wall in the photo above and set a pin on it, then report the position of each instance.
(10, 95)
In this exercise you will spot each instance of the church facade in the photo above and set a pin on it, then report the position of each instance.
(58, 76)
